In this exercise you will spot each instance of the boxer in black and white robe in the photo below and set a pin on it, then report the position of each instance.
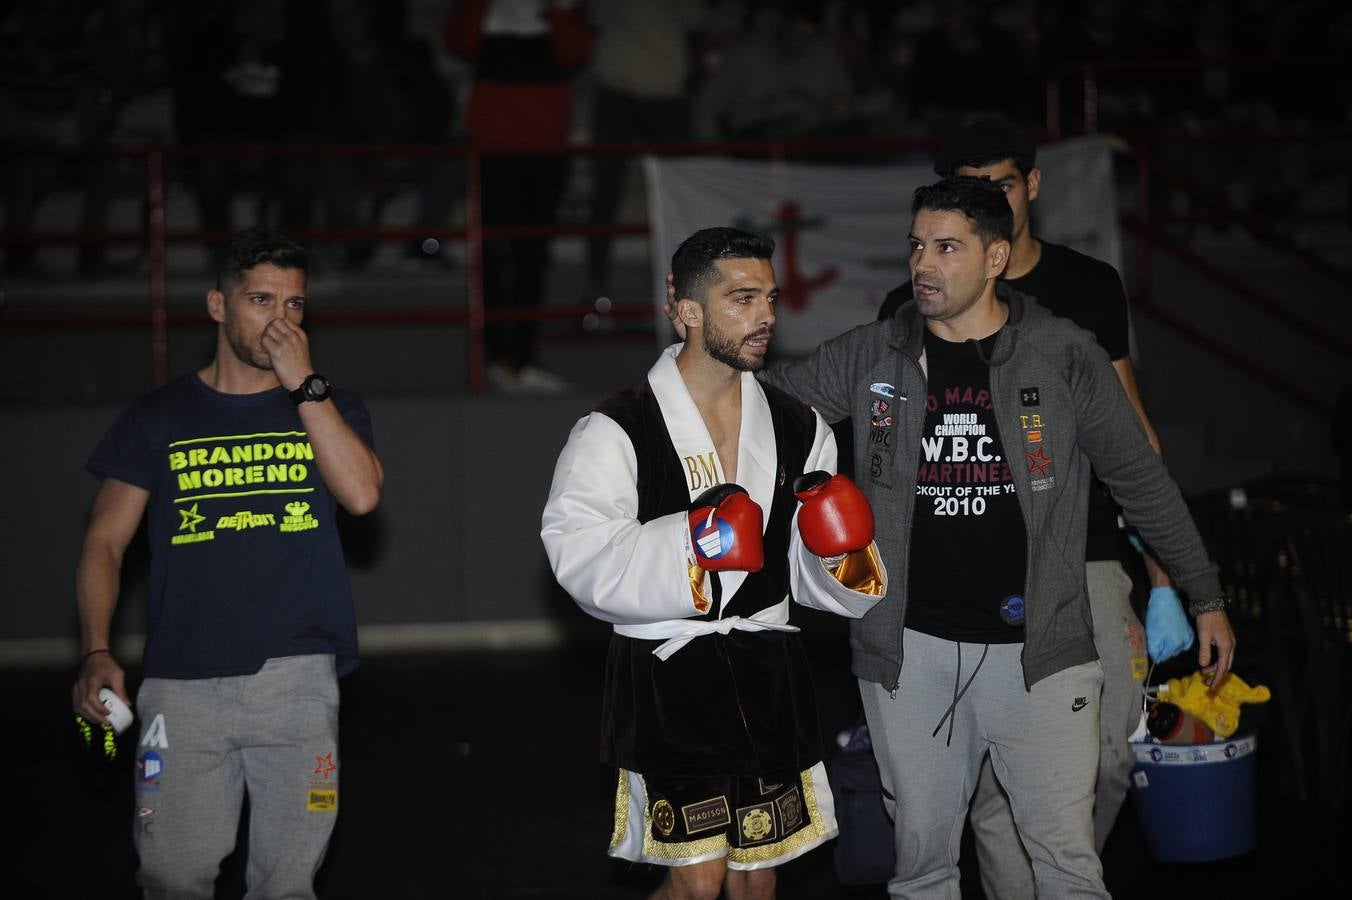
(709, 715)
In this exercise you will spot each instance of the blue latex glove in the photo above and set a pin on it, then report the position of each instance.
(1167, 630)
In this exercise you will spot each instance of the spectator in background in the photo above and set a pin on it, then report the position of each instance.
(1268, 101)
(238, 74)
(786, 81)
(895, 37)
(524, 52)
(1098, 30)
(383, 89)
(58, 104)
(859, 31)
(641, 68)
(1158, 99)
(957, 64)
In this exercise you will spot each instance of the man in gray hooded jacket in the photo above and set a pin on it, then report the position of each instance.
(977, 418)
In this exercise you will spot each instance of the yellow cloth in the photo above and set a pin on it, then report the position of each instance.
(1221, 711)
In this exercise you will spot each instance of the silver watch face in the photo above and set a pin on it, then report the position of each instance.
(316, 387)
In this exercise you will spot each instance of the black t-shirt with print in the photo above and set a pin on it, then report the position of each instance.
(1089, 292)
(968, 539)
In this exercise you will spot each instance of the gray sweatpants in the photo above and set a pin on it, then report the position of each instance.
(1043, 746)
(204, 744)
(1006, 872)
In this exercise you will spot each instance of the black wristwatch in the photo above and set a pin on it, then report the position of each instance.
(314, 387)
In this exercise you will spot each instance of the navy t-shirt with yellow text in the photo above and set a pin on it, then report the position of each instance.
(245, 560)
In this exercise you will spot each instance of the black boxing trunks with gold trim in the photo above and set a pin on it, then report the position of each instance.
(753, 822)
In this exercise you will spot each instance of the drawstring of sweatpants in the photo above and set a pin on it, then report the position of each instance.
(950, 713)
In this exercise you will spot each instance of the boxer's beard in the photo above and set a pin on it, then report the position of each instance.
(727, 350)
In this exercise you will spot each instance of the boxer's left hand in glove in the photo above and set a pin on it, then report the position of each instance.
(835, 518)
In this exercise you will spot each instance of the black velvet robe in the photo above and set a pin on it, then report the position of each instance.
(736, 704)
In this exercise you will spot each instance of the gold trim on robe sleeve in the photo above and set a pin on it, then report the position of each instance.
(861, 571)
(697, 589)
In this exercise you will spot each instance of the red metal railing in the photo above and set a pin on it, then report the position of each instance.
(1144, 224)
(474, 314)
(1089, 74)
(474, 232)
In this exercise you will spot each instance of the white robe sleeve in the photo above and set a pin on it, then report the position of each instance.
(616, 568)
(812, 583)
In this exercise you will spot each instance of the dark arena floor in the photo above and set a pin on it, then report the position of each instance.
(474, 775)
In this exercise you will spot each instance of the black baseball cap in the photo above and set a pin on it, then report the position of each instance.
(984, 140)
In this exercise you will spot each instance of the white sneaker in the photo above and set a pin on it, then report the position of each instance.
(535, 380)
(503, 379)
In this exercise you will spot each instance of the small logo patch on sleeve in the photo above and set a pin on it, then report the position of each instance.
(322, 801)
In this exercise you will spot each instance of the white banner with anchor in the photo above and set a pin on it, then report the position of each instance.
(840, 231)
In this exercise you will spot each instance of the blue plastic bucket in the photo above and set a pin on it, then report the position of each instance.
(1196, 803)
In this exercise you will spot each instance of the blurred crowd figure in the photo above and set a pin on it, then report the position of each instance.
(238, 79)
(640, 73)
(788, 79)
(524, 54)
(518, 78)
(67, 68)
(384, 88)
(306, 73)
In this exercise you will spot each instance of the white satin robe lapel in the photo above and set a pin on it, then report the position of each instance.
(757, 462)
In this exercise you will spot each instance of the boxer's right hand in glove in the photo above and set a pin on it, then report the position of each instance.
(835, 518)
(726, 530)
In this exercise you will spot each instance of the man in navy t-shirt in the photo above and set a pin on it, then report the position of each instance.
(239, 470)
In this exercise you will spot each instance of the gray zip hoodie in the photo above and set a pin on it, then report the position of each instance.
(1060, 410)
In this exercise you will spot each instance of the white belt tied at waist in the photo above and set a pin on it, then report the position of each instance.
(680, 632)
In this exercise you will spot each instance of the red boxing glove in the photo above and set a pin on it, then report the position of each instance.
(725, 529)
(835, 517)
